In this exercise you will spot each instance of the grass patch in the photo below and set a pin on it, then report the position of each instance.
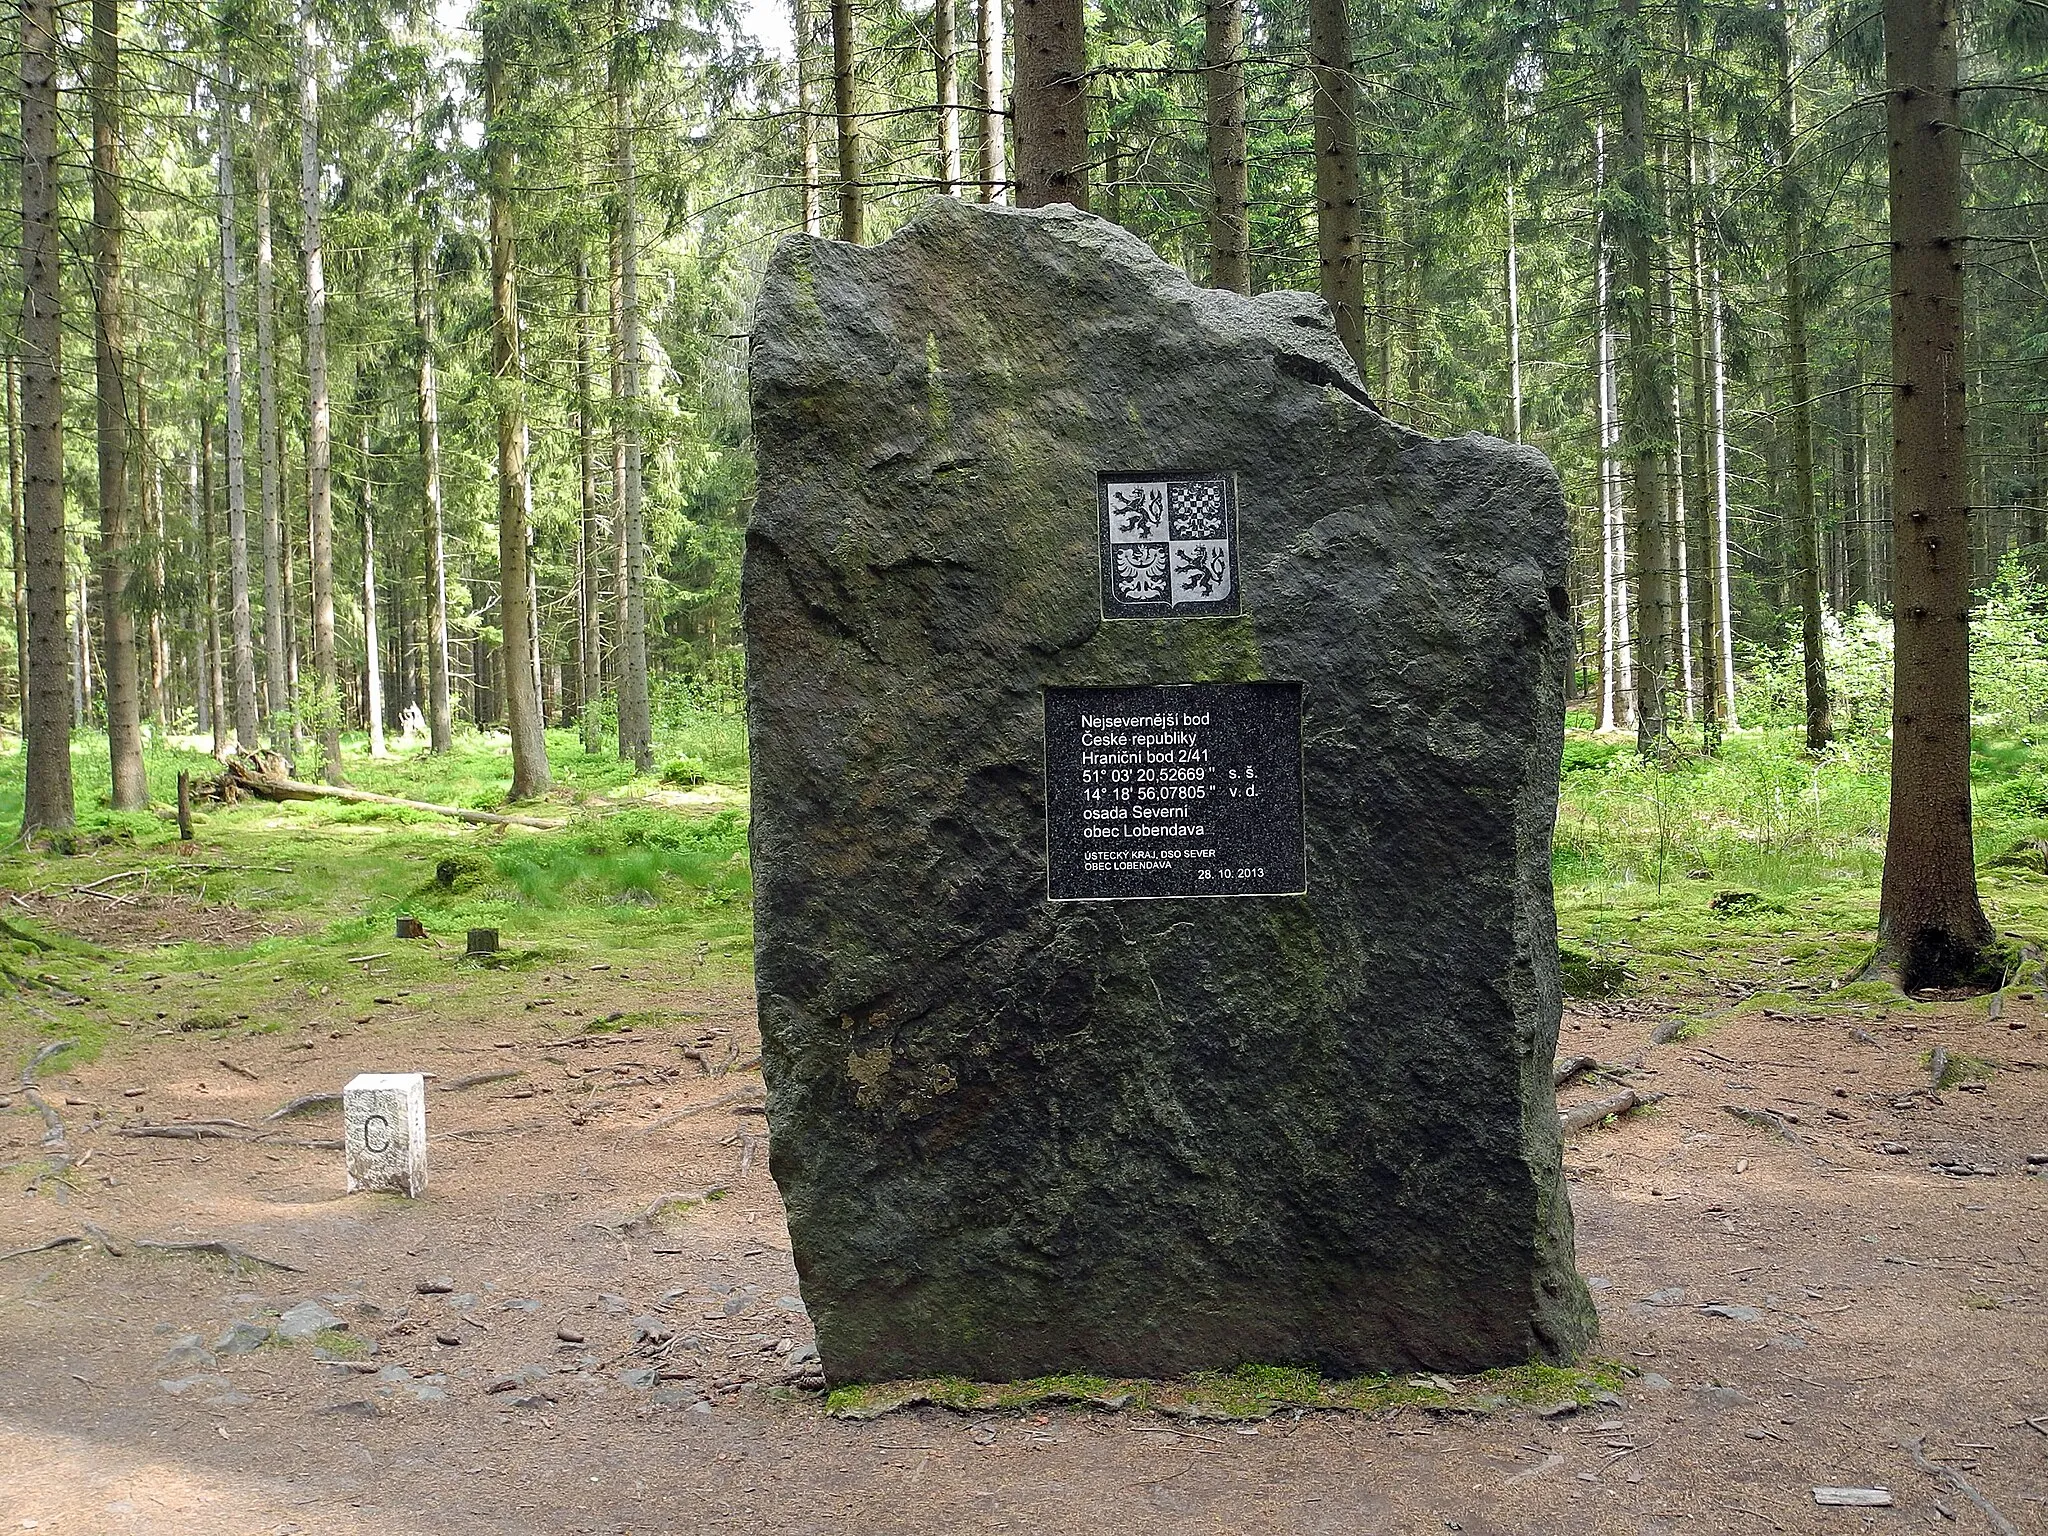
(338, 1344)
(1690, 872)
(635, 878)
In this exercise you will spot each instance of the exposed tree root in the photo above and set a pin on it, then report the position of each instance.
(53, 1243)
(1998, 1523)
(1578, 1118)
(1765, 1120)
(210, 1247)
(750, 1091)
(53, 1123)
(305, 1104)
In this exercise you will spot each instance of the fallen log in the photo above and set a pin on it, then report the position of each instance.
(238, 777)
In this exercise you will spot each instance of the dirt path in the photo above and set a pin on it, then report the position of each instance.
(1866, 1300)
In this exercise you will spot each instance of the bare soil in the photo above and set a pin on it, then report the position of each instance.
(1870, 1300)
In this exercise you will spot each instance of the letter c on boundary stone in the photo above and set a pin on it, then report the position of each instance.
(374, 1126)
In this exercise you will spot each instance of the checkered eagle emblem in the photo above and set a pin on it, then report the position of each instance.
(1169, 545)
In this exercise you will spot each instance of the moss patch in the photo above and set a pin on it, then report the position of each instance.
(1251, 1392)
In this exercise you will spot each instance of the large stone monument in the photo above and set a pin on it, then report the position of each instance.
(1155, 754)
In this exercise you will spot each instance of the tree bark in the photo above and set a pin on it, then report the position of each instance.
(440, 711)
(47, 714)
(244, 640)
(1646, 411)
(1805, 513)
(1514, 297)
(590, 637)
(16, 543)
(209, 558)
(806, 119)
(1931, 928)
(373, 661)
(1340, 245)
(117, 623)
(636, 727)
(852, 215)
(522, 688)
(276, 602)
(319, 426)
(1051, 103)
(1707, 605)
(1617, 682)
(1230, 196)
(1675, 480)
(1723, 596)
(149, 495)
(988, 45)
(946, 92)
(81, 645)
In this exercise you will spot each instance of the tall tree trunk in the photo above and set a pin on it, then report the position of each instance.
(1646, 410)
(1340, 246)
(1617, 685)
(590, 639)
(294, 636)
(16, 544)
(1723, 597)
(373, 659)
(1674, 482)
(1706, 606)
(117, 623)
(616, 351)
(209, 558)
(276, 600)
(150, 496)
(1805, 513)
(440, 711)
(1051, 102)
(1411, 290)
(988, 47)
(1230, 196)
(319, 428)
(1931, 928)
(1514, 297)
(244, 640)
(806, 119)
(522, 687)
(47, 710)
(946, 92)
(636, 726)
(852, 215)
(1859, 485)
(81, 645)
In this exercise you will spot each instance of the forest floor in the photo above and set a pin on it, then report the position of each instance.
(590, 1321)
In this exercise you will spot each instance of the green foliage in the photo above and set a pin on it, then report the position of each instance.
(1760, 813)
(2008, 666)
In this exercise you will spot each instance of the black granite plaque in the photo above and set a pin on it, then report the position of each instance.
(1192, 789)
(1168, 544)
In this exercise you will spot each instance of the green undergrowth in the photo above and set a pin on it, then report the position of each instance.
(1761, 865)
(638, 876)
(1249, 1393)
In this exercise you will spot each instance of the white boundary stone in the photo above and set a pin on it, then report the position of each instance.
(385, 1115)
